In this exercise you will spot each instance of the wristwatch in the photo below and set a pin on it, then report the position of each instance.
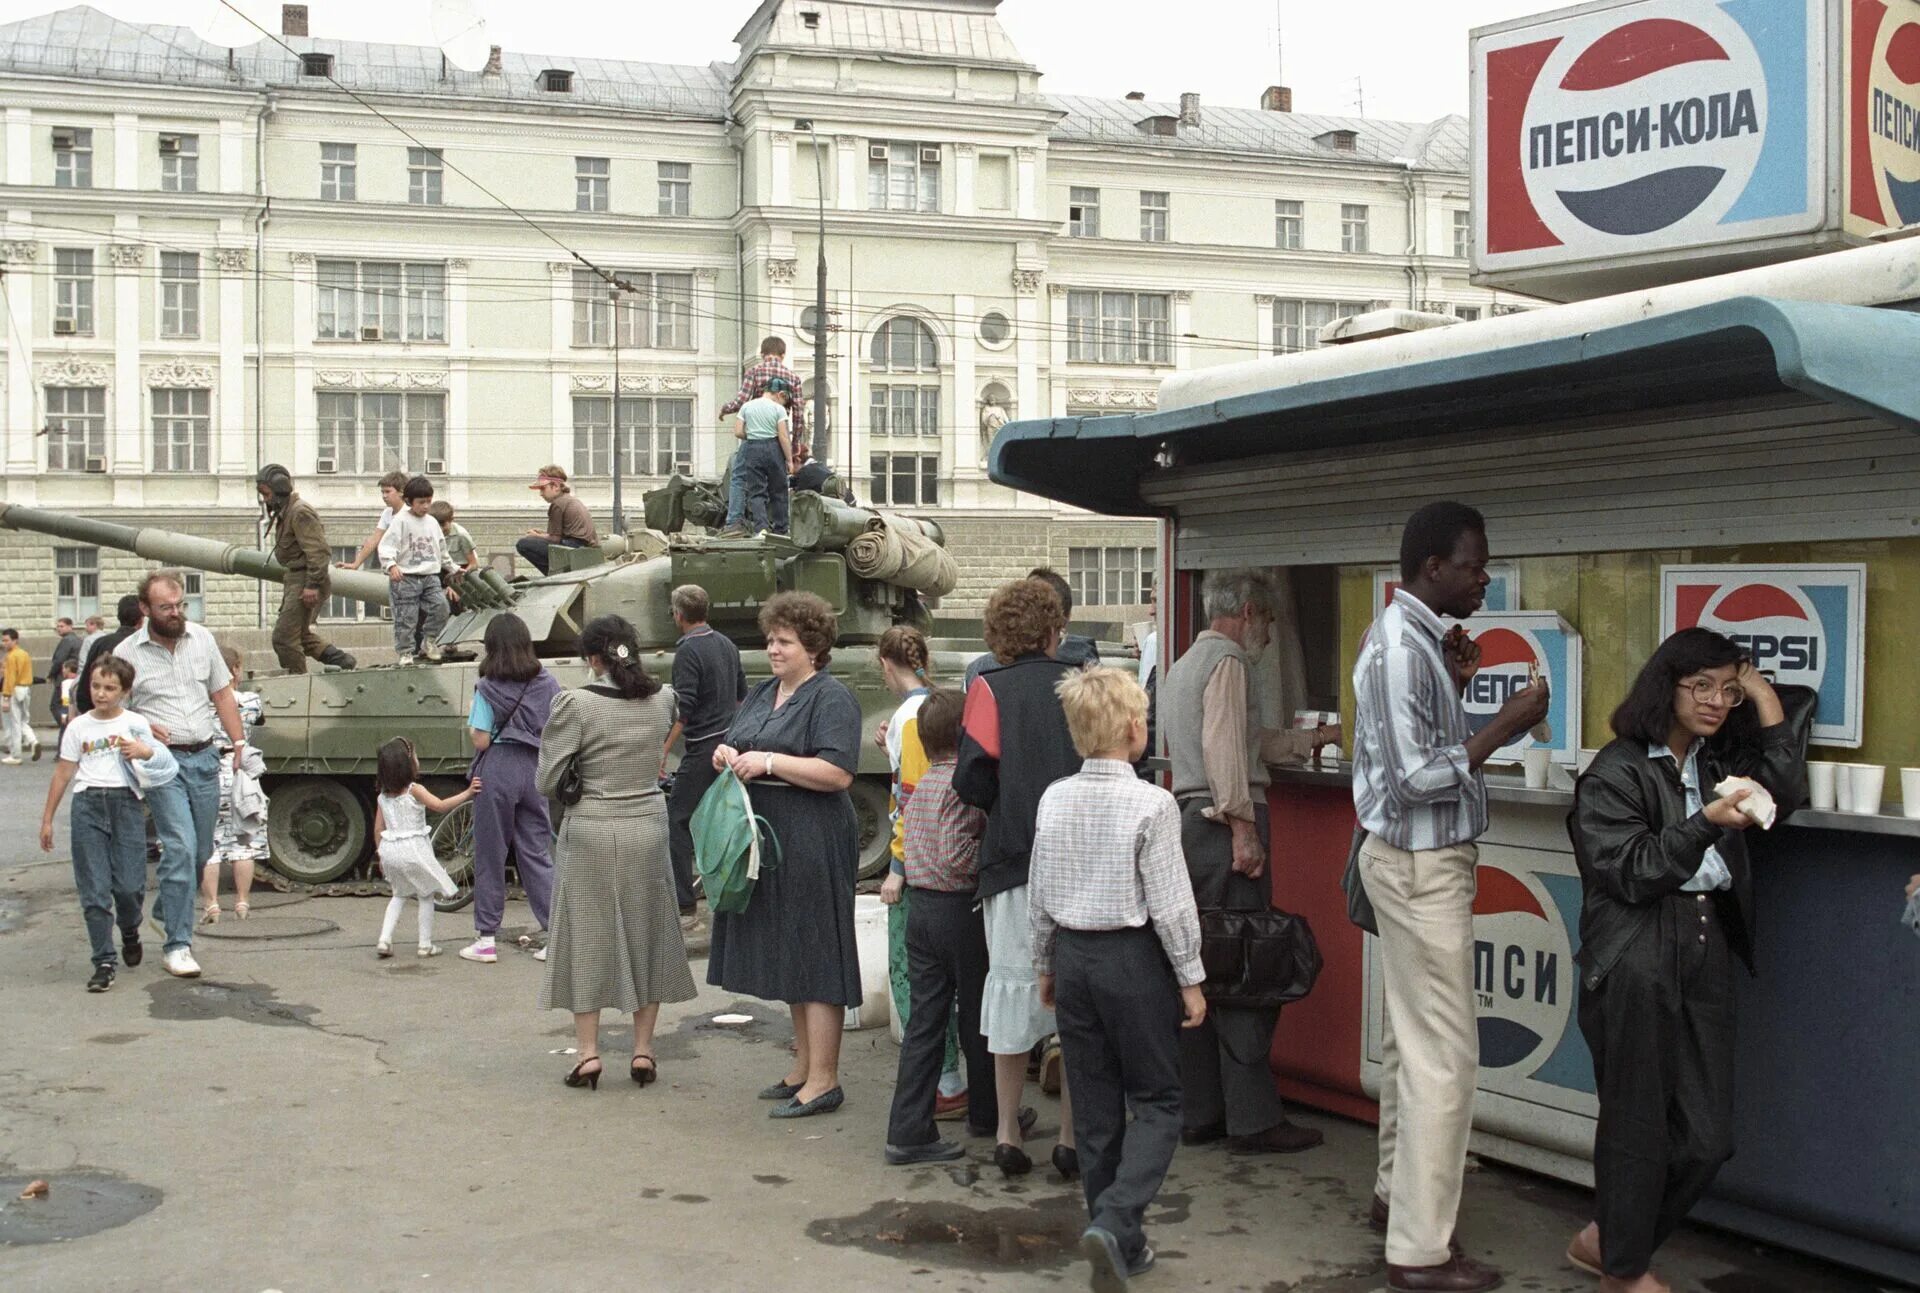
(769, 767)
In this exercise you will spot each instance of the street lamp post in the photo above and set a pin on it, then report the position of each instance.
(823, 447)
(613, 315)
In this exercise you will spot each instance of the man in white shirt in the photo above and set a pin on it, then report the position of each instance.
(413, 552)
(184, 690)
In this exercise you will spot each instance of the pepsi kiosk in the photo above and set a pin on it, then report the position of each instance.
(1737, 451)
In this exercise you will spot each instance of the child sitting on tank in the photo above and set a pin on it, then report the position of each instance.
(460, 549)
(240, 832)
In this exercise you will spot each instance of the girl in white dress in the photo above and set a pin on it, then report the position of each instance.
(406, 845)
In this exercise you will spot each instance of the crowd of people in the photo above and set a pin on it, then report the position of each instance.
(1045, 889)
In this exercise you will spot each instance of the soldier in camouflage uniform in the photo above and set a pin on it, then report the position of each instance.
(300, 545)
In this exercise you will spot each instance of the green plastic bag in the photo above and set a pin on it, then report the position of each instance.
(730, 844)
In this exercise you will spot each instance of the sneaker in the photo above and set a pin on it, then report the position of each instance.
(180, 964)
(427, 949)
(36, 751)
(481, 950)
(733, 532)
(404, 661)
(10, 761)
(383, 950)
(102, 978)
(130, 950)
(540, 955)
(1102, 1251)
(431, 652)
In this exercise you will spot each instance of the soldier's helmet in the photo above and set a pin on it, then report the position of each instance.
(277, 479)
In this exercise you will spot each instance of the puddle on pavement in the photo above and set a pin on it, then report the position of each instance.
(772, 1180)
(1041, 1236)
(197, 1000)
(1367, 1278)
(766, 1025)
(1790, 1275)
(115, 1039)
(77, 1204)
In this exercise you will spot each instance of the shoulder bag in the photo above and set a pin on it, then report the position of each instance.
(731, 843)
(1257, 959)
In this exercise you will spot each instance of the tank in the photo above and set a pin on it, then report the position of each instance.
(321, 729)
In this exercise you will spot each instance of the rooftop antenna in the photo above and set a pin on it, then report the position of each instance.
(460, 30)
(1359, 96)
(217, 24)
(1279, 43)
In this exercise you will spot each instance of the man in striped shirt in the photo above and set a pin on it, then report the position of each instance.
(1421, 798)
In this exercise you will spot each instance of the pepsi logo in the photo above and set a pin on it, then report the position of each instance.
(1775, 625)
(1522, 970)
(1507, 660)
(1893, 122)
(1649, 126)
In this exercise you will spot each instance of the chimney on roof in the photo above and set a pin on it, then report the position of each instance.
(1189, 109)
(493, 62)
(293, 20)
(1136, 96)
(1277, 98)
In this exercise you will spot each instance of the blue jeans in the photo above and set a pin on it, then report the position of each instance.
(760, 470)
(184, 812)
(109, 865)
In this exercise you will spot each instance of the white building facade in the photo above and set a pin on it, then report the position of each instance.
(217, 258)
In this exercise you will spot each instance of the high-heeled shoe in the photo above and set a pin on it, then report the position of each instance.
(1066, 1161)
(642, 1076)
(580, 1078)
(1011, 1160)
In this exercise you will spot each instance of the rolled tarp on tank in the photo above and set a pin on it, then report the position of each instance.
(901, 551)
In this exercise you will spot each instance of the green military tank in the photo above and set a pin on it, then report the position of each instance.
(321, 729)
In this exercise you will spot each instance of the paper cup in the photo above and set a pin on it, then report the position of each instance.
(1910, 792)
(1866, 788)
(1536, 761)
(1820, 786)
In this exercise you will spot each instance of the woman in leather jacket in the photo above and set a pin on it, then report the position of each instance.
(1668, 904)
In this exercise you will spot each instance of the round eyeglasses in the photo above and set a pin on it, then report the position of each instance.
(1705, 691)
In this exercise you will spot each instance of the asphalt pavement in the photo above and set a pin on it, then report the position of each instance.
(306, 1117)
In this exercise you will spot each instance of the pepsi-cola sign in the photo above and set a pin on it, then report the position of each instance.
(1883, 114)
(1648, 125)
(1805, 625)
(1512, 648)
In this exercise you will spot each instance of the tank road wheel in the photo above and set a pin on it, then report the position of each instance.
(318, 828)
(453, 845)
(869, 796)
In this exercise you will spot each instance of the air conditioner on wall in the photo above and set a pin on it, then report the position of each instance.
(369, 334)
(64, 139)
(930, 154)
(324, 466)
(436, 466)
(877, 152)
(65, 328)
(98, 466)
(169, 144)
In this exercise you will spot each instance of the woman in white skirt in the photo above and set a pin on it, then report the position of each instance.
(406, 845)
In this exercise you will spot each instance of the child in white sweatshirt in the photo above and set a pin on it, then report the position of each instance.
(413, 551)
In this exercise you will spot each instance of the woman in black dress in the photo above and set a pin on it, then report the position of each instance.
(796, 743)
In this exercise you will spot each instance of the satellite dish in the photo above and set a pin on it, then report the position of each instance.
(217, 24)
(461, 33)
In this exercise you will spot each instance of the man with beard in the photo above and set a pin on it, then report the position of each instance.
(1220, 755)
(184, 690)
(300, 546)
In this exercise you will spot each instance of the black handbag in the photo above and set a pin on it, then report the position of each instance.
(1257, 959)
(569, 789)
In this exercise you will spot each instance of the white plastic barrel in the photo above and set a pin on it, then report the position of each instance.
(870, 939)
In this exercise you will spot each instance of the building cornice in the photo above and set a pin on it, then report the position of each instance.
(894, 224)
(1065, 152)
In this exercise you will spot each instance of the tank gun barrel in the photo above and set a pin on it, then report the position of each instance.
(176, 549)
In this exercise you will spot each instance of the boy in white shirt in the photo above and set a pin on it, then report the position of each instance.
(413, 552)
(98, 750)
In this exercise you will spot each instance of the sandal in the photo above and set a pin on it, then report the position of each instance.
(242, 910)
(211, 915)
(643, 1076)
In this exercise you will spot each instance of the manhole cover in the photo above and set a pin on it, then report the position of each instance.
(77, 1204)
(261, 927)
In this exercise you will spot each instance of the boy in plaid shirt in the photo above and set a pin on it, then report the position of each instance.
(753, 384)
(946, 947)
(1116, 939)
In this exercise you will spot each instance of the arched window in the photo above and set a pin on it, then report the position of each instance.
(905, 345)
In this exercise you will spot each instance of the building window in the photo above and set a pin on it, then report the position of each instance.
(337, 172)
(556, 80)
(339, 606)
(1462, 234)
(182, 430)
(180, 163)
(72, 158)
(1111, 576)
(995, 330)
(76, 583)
(905, 345)
(424, 172)
(1297, 324)
(1083, 213)
(676, 188)
(1466, 313)
(312, 64)
(369, 433)
(590, 179)
(1353, 227)
(193, 589)
(903, 177)
(72, 292)
(1153, 216)
(76, 427)
(658, 315)
(906, 479)
(371, 300)
(656, 436)
(905, 411)
(1119, 328)
(179, 294)
(1289, 224)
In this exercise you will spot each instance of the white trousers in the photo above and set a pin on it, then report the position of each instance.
(392, 919)
(1430, 1046)
(19, 718)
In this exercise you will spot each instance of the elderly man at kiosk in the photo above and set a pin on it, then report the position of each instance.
(1220, 754)
(1422, 800)
(182, 688)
